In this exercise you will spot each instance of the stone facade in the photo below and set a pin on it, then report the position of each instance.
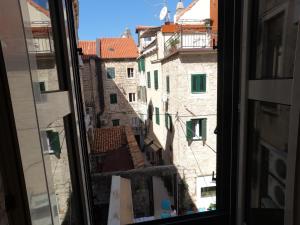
(121, 85)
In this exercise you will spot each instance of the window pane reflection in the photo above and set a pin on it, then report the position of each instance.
(267, 151)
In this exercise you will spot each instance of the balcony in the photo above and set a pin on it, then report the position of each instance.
(187, 38)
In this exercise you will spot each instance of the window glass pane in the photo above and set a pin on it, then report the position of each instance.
(51, 106)
(172, 121)
(267, 160)
(274, 39)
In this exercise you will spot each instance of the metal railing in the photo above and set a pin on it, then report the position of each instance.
(191, 38)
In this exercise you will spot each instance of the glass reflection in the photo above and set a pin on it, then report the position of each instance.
(274, 39)
(268, 149)
(52, 106)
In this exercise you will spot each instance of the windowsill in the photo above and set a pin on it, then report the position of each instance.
(197, 93)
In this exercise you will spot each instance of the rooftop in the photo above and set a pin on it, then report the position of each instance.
(88, 47)
(115, 141)
(118, 48)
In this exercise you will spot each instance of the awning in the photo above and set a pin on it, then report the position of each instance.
(155, 147)
(148, 141)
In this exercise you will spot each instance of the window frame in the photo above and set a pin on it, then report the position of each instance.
(157, 116)
(156, 82)
(113, 121)
(108, 75)
(129, 74)
(131, 97)
(113, 98)
(202, 88)
(149, 79)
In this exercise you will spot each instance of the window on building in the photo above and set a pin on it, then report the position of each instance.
(168, 121)
(168, 84)
(110, 72)
(196, 129)
(156, 79)
(208, 191)
(131, 97)
(141, 64)
(113, 99)
(149, 79)
(115, 122)
(157, 119)
(42, 86)
(53, 142)
(198, 83)
(130, 73)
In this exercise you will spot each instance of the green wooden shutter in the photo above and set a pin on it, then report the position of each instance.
(157, 115)
(168, 84)
(54, 142)
(149, 79)
(204, 129)
(156, 79)
(166, 120)
(202, 83)
(141, 64)
(195, 83)
(189, 130)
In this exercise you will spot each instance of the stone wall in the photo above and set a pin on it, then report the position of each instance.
(122, 86)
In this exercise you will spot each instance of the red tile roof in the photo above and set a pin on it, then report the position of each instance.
(88, 47)
(118, 48)
(141, 27)
(108, 140)
(173, 28)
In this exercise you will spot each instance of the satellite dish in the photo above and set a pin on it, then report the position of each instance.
(163, 13)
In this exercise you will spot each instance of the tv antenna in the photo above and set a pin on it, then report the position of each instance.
(164, 13)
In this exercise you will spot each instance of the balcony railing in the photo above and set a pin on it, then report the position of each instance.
(43, 45)
(191, 38)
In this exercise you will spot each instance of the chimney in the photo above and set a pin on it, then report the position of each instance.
(127, 33)
(179, 9)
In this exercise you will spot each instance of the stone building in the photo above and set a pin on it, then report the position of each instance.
(119, 77)
(180, 69)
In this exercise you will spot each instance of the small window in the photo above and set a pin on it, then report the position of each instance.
(141, 64)
(168, 121)
(130, 72)
(196, 129)
(131, 97)
(157, 116)
(115, 122)
(150, 112)
(208, 191)
(156, 79)
(110, 72)
(113, 99)
(198, 83)
(53, 142)
(168, 84)
(149, 79)
(42, 86)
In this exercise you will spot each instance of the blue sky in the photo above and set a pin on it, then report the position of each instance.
(109, 18)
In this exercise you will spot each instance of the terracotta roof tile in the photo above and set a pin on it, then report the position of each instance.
(88, 47)
(109, 140)
(118, 48)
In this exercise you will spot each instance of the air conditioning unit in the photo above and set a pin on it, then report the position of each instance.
(277, 162)
(276, 191)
